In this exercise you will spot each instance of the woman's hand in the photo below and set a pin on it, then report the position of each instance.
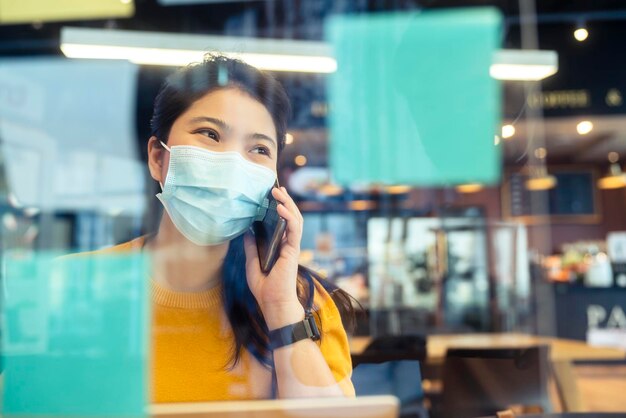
(275, 291)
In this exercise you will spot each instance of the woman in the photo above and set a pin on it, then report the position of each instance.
(222, 329)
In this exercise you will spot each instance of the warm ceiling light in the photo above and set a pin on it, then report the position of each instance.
(541, 153)
(330, 190)
(300, 160)
(154, 48)
(508, 131)
(540, 179)
(469, 188)
(288, 139)
(614, 180)
(584, 127)
(362, 204)
(581, 34)
(398, 189)
(543, 182)
(530, 65)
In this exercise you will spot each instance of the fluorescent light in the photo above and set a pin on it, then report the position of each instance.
(529, 65)
(157, 48)
(154, 48)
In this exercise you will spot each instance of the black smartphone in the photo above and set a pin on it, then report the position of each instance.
(268, 234)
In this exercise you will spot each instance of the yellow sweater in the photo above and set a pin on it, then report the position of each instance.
(192, 343)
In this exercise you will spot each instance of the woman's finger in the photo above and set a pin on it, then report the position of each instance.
(294, 227)
(282, 196)
(290, 205)
(295, 207)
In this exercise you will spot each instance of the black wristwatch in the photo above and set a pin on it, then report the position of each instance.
(295, 332)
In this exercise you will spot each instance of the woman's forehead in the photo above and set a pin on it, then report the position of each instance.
(236, 108)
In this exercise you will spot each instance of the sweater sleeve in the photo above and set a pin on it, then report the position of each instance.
(334, 340)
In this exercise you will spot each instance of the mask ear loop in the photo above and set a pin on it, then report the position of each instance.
(168, 150)
(165, 146)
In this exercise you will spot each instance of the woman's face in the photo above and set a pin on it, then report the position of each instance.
(223, 120)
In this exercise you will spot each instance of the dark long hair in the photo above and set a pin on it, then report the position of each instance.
(177, 94)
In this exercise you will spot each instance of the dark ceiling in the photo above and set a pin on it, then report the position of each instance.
(594, 65)
(297, 19)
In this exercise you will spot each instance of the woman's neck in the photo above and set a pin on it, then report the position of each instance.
(183, 266)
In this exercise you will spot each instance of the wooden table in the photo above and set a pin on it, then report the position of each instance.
(562, 354)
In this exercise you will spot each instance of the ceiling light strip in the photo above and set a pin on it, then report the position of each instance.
(156, 48)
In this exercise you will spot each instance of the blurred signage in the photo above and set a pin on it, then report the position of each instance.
(562, 103)
(27, 11)
(574, 199)
(565, 99)
(575, 99)
(600, 317)
(582, 309)
(590, 78)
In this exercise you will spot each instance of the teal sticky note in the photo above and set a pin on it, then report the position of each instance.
(412, 101)
(75, 335)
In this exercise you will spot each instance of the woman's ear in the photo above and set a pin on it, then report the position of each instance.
(156, 159)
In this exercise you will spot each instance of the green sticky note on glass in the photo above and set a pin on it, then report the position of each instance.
(75, 335)
(412, 100)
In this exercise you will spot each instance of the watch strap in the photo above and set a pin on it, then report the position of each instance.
(293, 333)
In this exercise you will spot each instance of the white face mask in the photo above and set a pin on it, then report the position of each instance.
(213, 197)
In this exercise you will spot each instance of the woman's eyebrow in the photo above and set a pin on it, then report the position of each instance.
(218, 122)
(263, 137)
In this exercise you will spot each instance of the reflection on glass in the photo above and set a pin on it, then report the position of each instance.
(402, 112)
(78, 323)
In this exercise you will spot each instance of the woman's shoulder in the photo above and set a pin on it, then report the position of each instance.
(135, 244)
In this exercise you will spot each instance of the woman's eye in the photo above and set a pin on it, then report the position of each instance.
(209, 133)
(261, 150)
